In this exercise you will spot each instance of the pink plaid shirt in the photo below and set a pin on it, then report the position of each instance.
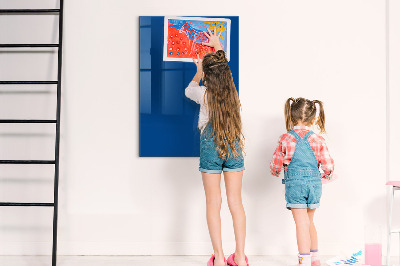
(287, 144)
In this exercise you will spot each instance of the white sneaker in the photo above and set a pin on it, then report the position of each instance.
(304, 260)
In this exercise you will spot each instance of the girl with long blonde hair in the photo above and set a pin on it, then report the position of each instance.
(221, 145)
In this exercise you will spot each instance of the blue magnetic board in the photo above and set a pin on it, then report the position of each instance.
(168, 120)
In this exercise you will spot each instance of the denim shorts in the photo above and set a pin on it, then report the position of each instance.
(303, 193)
(211, 162)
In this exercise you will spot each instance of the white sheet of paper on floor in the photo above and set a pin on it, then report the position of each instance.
(351, 258)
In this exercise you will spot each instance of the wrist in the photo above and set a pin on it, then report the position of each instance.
(218, 47)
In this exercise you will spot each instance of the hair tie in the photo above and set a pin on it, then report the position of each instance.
(219, 64)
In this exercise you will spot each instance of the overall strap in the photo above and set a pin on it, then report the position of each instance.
(294, 133)
(309, 133)
(303, 164)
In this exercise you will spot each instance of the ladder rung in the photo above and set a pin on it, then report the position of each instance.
(27, 161)
(38, 204)
(29, 82)
(6, 11)
(33, 45)
(27, 121)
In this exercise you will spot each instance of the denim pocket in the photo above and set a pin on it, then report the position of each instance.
(317, 187)
(293, 190)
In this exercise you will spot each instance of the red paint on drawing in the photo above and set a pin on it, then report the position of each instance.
(181, 46)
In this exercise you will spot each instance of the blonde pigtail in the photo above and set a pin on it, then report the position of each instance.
(321, 116)
(288, 114)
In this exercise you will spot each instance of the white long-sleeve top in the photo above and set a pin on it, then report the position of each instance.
(196, 93)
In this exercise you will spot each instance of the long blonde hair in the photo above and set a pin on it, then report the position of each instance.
(303, 110)
(223, 104)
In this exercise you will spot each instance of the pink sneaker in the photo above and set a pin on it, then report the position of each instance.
(211, 261)
(231, 260)
(316, 263)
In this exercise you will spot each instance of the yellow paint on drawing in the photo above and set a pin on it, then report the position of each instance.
(219, 26)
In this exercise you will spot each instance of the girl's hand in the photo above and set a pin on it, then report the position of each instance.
(213, 39)
(199, 65)
(199, 73)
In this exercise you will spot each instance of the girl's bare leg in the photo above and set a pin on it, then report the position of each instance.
(212, 188)
(313, 230)
(302, 221)
(233, 183)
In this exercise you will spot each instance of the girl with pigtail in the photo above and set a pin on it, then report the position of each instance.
(302, 153)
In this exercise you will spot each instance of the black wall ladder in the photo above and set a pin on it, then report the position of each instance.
(57, 82)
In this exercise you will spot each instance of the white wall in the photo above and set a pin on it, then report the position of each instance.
(394, 109)
(113, 202)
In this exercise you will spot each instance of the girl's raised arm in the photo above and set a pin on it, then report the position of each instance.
(199, 73)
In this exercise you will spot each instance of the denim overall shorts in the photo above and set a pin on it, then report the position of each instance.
(211, 162)
(303, 186)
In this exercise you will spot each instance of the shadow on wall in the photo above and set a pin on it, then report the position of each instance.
(375, 220)
(186, 213)
(375, 213)
(263, 193)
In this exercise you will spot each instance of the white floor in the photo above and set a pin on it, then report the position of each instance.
(143, 260)
(135, 260)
